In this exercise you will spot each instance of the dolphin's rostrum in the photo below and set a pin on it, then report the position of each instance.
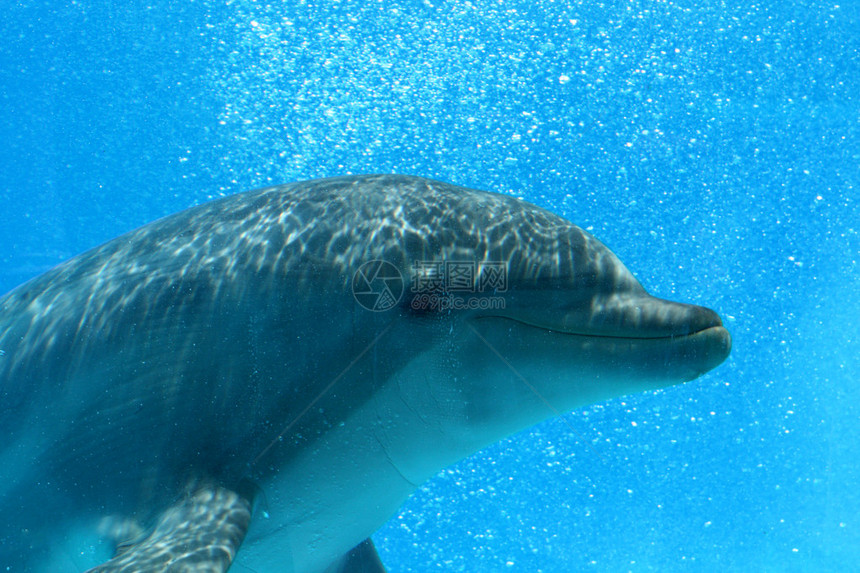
(209, 389)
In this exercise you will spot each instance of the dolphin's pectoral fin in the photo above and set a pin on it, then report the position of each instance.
(362, 559)
(199, 534)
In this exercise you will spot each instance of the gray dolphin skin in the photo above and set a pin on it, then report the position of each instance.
(261, 381)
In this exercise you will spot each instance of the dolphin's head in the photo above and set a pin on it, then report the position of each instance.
(566, 325)
(509, 314)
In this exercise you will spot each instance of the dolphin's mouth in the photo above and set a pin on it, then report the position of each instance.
(618, 321)
(622, 317)
(717, 329)
(689, 351)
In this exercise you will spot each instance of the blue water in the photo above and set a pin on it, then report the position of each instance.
(713, 145)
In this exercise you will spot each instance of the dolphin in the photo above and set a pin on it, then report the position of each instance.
(259, 382)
